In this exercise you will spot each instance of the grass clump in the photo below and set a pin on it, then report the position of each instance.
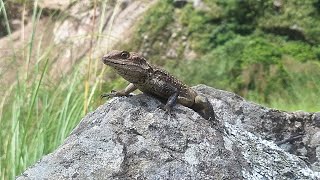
(37, 119)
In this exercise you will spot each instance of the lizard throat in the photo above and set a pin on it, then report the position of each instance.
(131, 72)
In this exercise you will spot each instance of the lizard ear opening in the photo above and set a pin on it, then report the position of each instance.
(125, 54)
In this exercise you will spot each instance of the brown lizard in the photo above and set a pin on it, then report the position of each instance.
(155, 81)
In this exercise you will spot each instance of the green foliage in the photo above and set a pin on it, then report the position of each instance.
(159, 19)
(258, 69)
(219, 68)
(258, 50)
(194, 20)
(200, 28)
(297, 20)
(254, 48)
(300, 51)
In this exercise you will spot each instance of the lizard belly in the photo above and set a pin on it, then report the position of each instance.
(159, 91)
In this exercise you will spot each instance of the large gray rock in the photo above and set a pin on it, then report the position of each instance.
(130, 138)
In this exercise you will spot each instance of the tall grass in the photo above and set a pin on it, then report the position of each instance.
(36, 112)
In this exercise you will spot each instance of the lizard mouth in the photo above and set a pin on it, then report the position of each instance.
(117, 62)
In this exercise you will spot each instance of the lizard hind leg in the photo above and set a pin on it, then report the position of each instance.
(203, 107)
(172, 100)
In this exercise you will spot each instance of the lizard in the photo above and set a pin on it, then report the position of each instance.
(155, 81)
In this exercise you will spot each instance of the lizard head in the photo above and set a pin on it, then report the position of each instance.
(131, 66)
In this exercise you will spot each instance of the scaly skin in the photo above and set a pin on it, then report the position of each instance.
(155, 81)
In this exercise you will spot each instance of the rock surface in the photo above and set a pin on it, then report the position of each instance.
(130, 138)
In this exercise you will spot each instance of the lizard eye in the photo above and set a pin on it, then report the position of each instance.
(125, 54)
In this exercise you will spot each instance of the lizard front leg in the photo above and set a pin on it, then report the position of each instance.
(125, 92)
(203, 107)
